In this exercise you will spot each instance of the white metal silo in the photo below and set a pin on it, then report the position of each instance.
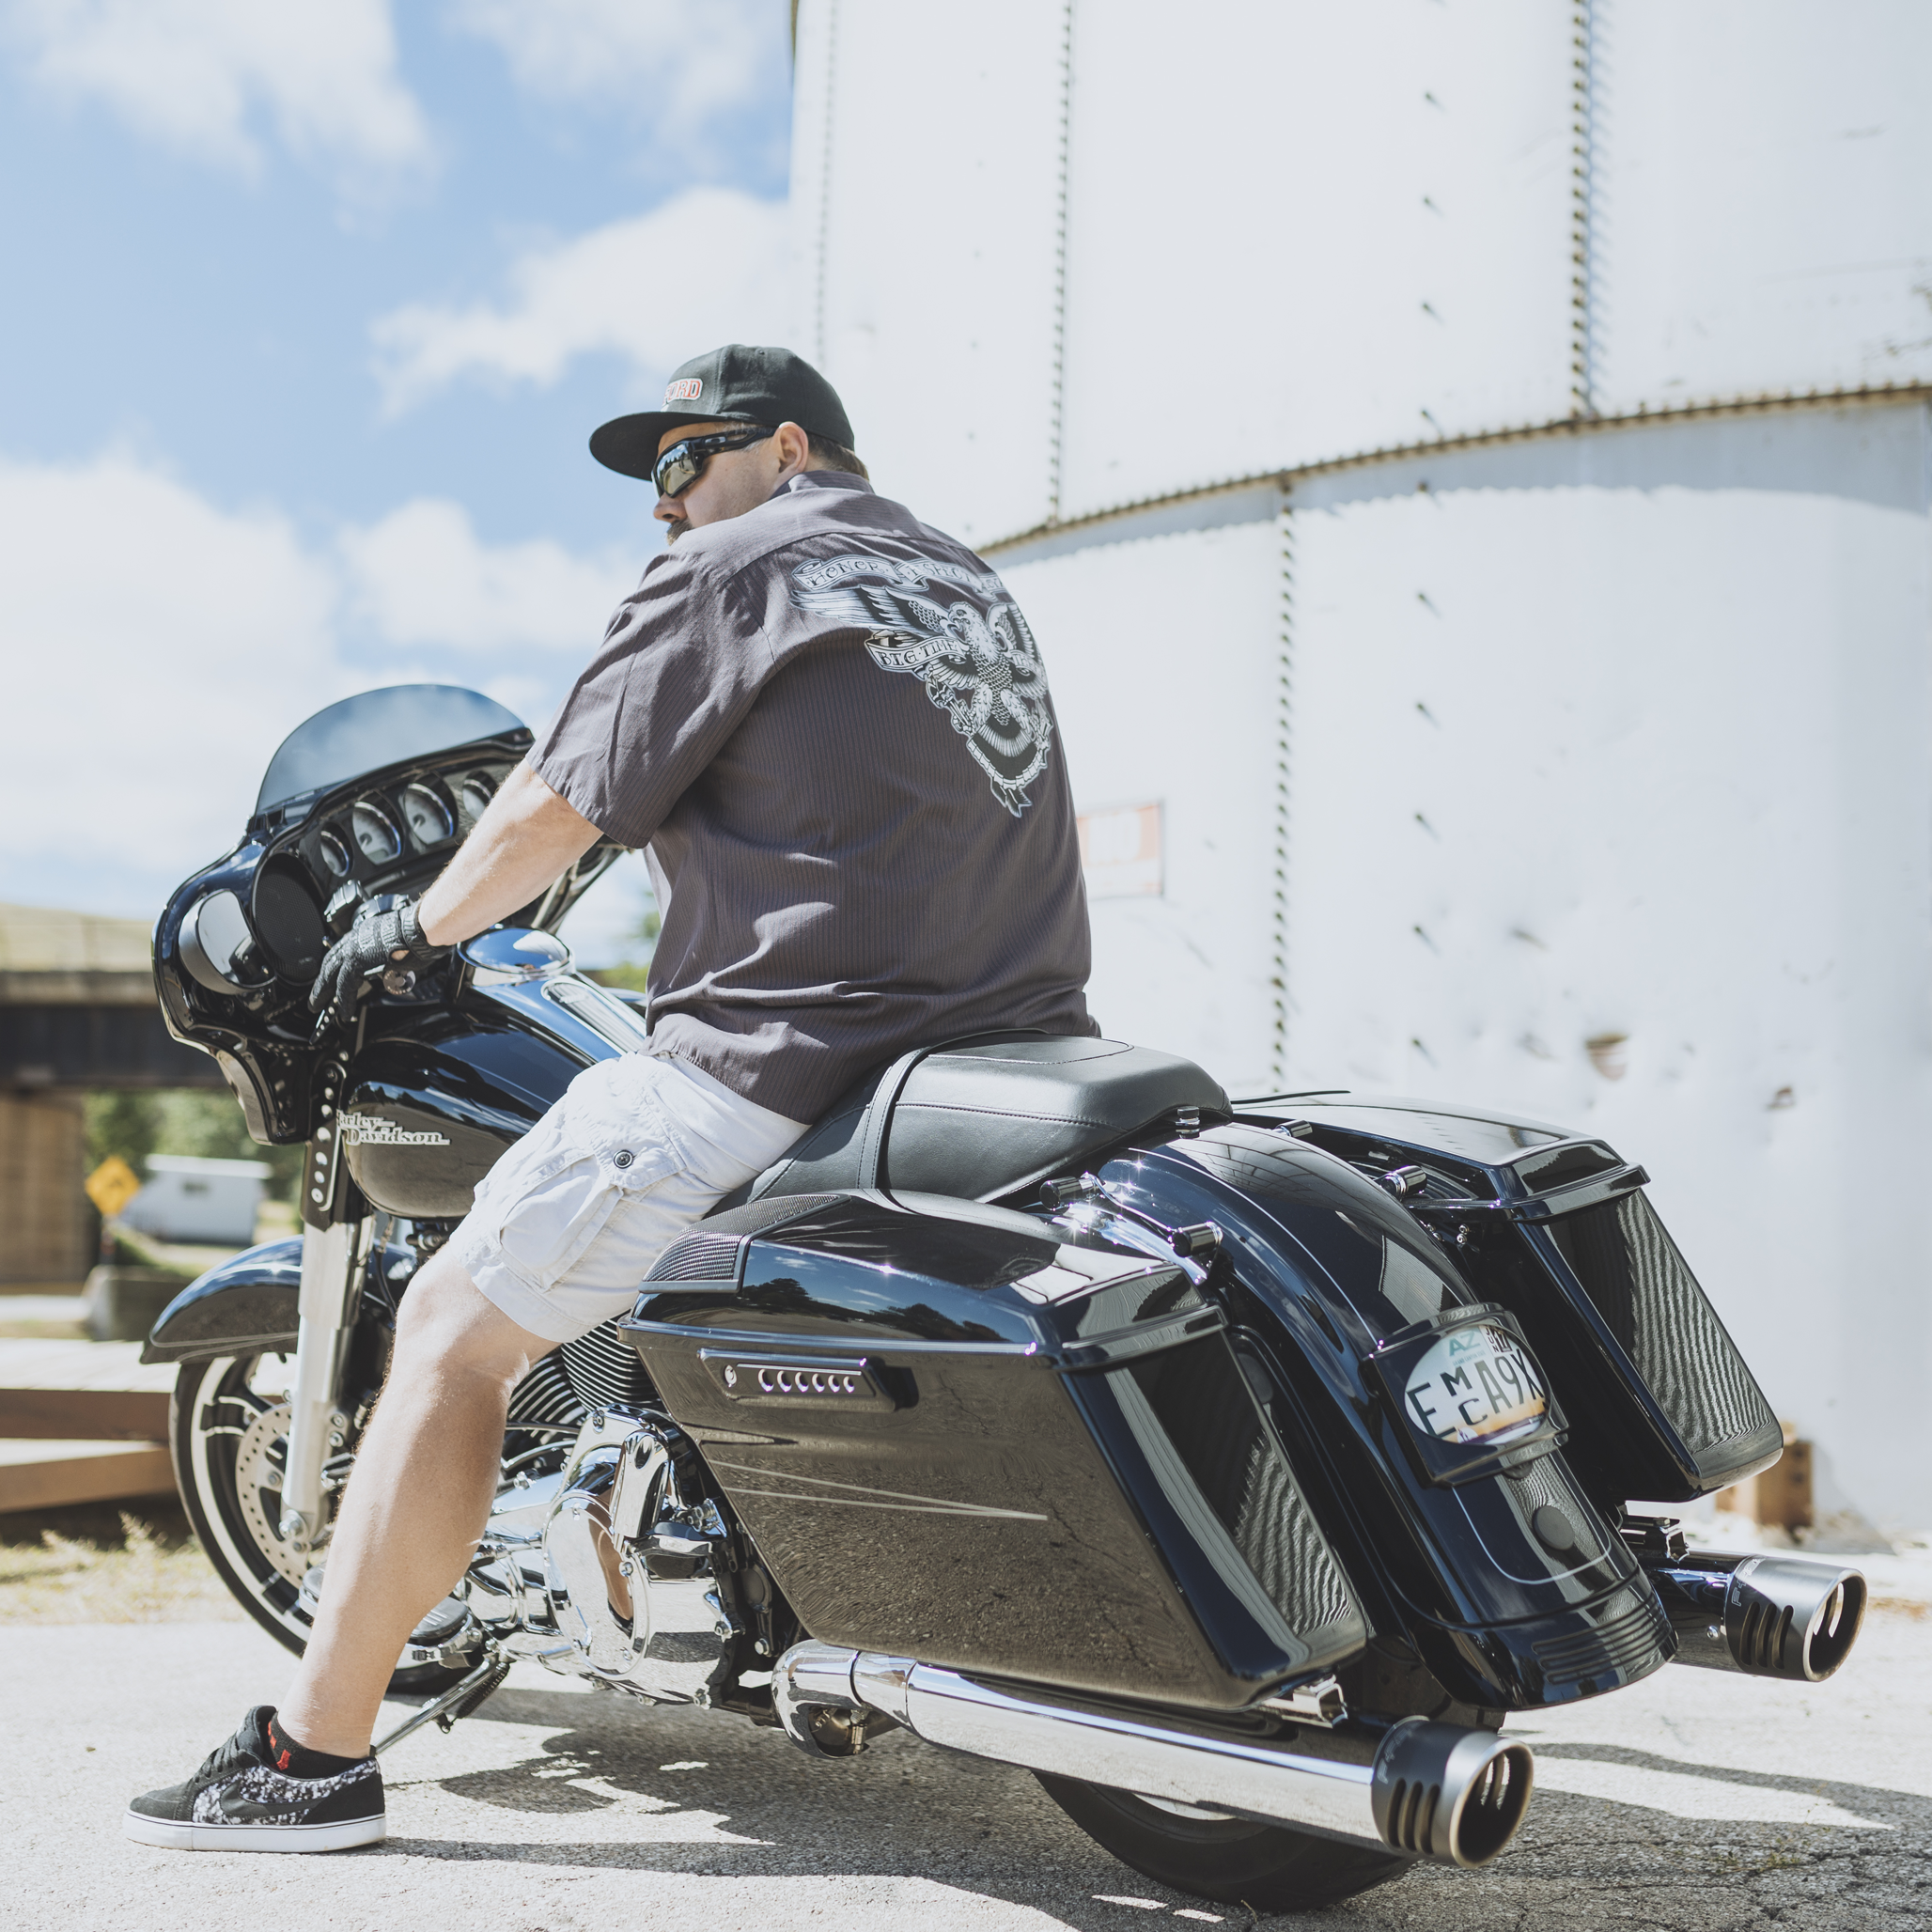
(1467, 464)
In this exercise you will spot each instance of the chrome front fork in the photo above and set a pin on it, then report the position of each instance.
(332, 1268)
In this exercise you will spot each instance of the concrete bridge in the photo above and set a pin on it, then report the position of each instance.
(77, 1013)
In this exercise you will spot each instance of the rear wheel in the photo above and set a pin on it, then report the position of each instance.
(1212, 1856)
(229, 1436)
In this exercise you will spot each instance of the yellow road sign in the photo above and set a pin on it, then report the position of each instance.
(112, 1186)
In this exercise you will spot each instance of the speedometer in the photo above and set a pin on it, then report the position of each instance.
(375, 831)
(475, 794)
(335, 854)
(428, 817)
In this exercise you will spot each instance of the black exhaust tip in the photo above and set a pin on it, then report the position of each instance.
(1791, 1619)
(1449, 1795)
(1769, 1617)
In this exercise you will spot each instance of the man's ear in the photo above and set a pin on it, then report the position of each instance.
(794, 449)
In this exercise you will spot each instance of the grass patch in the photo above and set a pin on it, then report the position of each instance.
(99, 1564)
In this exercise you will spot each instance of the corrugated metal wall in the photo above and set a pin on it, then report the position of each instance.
(1398, 422)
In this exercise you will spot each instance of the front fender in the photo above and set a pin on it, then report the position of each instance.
(250, 1302)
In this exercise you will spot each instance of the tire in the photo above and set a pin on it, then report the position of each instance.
(1231, 1860)
(225, 1437)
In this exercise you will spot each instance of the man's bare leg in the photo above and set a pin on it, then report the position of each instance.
(425, 1475)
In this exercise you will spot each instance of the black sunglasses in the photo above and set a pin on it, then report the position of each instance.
(683, 463)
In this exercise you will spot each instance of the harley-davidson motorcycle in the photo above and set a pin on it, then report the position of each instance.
(1237, 1467)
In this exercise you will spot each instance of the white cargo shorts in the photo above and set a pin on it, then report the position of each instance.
(569, 1221)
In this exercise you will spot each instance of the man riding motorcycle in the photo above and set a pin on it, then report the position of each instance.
(831, 729)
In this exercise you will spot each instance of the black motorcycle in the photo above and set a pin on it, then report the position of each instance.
(1238, 1467)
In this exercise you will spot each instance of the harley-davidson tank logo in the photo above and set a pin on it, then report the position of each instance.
(973, 652)
(374, 1131)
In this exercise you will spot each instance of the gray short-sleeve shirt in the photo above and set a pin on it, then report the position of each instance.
(830, 726)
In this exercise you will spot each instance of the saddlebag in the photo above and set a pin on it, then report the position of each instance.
(952, 1437)
(1660, 1402)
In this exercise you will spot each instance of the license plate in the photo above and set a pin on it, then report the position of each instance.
(1475, 1385)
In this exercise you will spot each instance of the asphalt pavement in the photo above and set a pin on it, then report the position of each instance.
(1695, 1800)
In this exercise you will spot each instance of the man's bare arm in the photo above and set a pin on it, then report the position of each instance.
(520, 846)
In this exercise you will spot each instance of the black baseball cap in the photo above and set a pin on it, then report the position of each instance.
(732, 384)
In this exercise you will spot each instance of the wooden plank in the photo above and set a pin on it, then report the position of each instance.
(87, 1415)
(103, 1475)
(42, 1362)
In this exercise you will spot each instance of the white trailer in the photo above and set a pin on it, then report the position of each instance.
(196, 1201)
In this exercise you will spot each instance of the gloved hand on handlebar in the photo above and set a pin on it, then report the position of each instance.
(377, 942)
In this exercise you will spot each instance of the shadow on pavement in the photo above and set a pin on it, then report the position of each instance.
(725, 1798)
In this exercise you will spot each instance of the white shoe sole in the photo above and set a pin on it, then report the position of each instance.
(243, 1836)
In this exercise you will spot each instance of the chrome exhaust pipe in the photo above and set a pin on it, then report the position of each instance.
(1424, 1791)
(1767, 1616)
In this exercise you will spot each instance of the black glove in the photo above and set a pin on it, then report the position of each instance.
(377, 942)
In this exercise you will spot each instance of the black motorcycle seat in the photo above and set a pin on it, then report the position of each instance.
(982, 1119)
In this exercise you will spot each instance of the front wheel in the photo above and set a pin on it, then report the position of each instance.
(1232, 1861)
(229, 1431)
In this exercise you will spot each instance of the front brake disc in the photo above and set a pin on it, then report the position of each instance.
(259, 1456)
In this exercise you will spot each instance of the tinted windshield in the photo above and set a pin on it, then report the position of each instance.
(379, 727)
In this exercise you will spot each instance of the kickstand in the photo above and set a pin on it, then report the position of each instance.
(459, 1701)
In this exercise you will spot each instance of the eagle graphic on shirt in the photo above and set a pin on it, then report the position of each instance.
(973, 652)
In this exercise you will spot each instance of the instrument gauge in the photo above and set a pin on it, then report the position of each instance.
(428, 817)
(335, 853)
(375, 832)
(477, 790)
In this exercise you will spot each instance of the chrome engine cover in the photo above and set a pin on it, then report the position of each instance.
(606, 1569)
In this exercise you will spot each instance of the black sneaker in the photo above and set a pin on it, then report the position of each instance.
(238, 1801)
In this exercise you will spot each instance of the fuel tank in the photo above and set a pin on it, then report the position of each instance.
(437, 1091)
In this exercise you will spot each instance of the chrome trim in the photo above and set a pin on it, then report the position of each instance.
(331, 1276)
(628, 1567)
(1319, 1702)
(514, 955)
(1427, 1790)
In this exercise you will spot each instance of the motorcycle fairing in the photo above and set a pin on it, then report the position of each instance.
(292, 893)
(1008, 1454)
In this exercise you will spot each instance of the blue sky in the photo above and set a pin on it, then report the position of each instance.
(313, 306)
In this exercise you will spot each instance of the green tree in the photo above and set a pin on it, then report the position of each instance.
(127, 1124)
(183, 1120)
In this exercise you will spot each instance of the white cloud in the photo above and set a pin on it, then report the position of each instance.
(200, 74)
(155, 648)
(423, 577)
(674, 62)
(709, 266)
